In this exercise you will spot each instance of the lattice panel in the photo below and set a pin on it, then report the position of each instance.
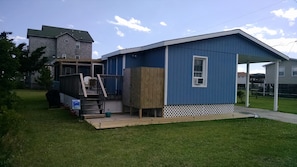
(196, 110)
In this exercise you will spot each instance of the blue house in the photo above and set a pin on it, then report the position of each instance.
(200, 72)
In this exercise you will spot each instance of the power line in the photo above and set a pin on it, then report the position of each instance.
(246, 14)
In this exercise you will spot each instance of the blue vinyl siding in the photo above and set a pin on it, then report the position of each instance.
(220, 79)
(150, 58)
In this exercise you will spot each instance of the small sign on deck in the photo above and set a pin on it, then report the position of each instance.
(76, 105)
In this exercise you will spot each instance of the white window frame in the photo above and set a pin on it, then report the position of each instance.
(203, 78)
(294, 67)
(282, 69)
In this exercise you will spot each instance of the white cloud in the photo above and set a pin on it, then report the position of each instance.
(95, 54)
(189, 32)
(70, 26)
(132, 23)
(18, 39)
(119, 32)
(162, 23)
(120, 47)
(290, 14)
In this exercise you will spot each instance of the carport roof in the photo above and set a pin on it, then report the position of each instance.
(242, 58)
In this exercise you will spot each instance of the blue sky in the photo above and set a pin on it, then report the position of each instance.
(118, 24)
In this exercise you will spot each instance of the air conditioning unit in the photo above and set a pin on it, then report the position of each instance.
(198, 81)
(64, 56)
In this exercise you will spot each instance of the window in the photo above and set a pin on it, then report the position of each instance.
(294, 71)
(77, 45)
(281, 71)
(199, 78)
(77, 57)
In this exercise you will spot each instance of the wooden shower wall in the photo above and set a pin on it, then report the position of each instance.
(143, 88)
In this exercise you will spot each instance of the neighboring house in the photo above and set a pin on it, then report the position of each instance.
(256, 81)
(287, 77)
(199, 72)
(68, 50)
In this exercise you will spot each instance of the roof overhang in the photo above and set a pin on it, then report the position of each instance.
(243, 58)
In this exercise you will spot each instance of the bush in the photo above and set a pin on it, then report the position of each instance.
(240, 95)
(9, 127)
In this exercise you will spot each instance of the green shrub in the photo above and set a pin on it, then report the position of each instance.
(9, 127)
(240, 95)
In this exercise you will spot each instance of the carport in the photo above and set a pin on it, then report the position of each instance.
(263, 54)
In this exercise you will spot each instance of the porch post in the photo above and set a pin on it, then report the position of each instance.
(236, 78)
(275, 106)
(247, 85)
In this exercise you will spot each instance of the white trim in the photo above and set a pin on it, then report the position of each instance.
(196, 38)
(116, 80)
(275, 103)
(166, 76)
(124, 64)
(247, 85)
(116, 66)
(236, 78)
(204, 71)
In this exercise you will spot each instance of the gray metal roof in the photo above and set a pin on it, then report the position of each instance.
(55, 32)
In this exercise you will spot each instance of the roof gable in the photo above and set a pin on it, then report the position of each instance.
(55, 32)
(199, 38)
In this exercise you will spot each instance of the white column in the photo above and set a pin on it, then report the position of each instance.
(236, 79)
(275, 105)
(247, 85)
(166, 76)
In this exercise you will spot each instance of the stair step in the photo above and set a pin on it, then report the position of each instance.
(90, 116)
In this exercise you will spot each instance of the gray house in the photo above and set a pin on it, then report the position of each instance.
(69, 51)
(287, 77)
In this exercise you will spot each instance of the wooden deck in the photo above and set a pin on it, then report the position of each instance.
(124, 120)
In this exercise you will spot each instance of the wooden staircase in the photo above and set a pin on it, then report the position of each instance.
(92, 103)
(92, 107)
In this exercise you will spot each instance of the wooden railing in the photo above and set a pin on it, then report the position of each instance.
(73, 85)
(102, 86)
(113, 86)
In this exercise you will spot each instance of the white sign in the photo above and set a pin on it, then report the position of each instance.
(76, 104)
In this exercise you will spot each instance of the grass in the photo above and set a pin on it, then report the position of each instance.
(287, 105)
(56, 138)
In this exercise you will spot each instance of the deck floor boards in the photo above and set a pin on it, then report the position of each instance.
(124, 120)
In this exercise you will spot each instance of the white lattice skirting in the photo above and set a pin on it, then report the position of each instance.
(196, 110)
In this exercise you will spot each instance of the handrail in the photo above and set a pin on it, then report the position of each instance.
(83, 85)
(101, 85)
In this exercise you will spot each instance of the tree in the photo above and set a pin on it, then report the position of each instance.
(8, 70)
(30, 63)
(45, 78)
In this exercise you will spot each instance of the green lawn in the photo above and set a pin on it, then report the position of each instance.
(288, 105)
(56, 138)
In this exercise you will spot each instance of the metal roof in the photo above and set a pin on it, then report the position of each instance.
(243, 58)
